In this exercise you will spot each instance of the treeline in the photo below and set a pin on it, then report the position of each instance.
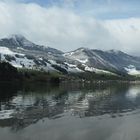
(8, 73)
(91, 76)
(29, 75)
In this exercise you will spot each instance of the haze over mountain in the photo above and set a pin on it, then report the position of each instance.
(22, 53)
(71, 24)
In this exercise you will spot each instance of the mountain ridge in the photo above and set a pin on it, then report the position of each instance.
(80, 60)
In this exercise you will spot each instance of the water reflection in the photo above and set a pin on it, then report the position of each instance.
(20, 108)
(133, 93)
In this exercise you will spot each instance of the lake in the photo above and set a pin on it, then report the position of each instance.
(70, 112)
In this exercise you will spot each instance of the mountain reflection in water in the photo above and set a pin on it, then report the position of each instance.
(23, 107)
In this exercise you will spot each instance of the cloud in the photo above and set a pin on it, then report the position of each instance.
(66, 30)
(127, 32)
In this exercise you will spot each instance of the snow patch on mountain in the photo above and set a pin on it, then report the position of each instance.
(82, 60)
(131, 70)
(78, 54)
(73, 68)
(98, 71)
(4, 50)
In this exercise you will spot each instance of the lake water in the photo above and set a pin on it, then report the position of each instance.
(70, 112)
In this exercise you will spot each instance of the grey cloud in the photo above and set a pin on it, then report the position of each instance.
(63, 29)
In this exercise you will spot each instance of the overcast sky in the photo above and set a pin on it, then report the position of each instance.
(70, 24)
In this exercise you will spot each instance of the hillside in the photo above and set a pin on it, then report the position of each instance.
(23, 54)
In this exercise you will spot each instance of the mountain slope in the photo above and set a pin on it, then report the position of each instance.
(21, 60)
(106, 60)
(29, 55)
(22, 53)
(20, 42)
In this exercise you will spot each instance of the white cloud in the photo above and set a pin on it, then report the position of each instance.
(63, 29)
(127, 32)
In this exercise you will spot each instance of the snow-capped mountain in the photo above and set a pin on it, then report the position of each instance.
(112, 60)
(22, 53)
(21, 60)
(21, 43)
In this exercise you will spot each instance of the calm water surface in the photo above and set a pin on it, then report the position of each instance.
(71, 112)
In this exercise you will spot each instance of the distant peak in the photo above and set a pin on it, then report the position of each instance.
(114, 51)
(16, 36)
(82, 48)
(20, 40)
